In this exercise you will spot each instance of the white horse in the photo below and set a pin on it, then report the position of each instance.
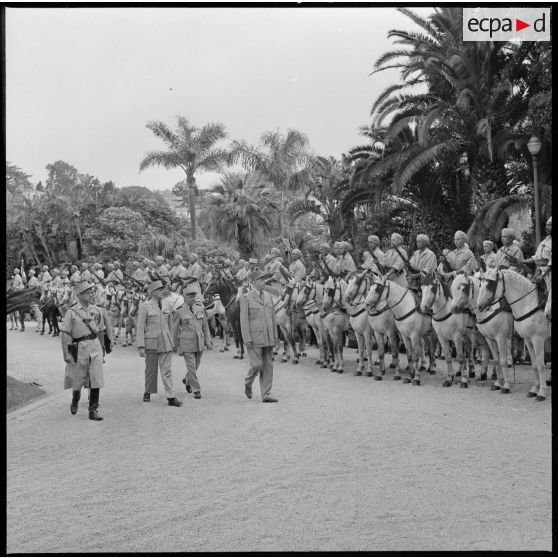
(381, 320)
(529, 319)
(358, 319)
(495, 324)
(548, 306)
(310, 299)
(336, 320)
(411, 324)
(449, 326)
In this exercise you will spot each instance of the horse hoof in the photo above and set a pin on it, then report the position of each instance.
(416, 382)
(494, 376)
(549, 383)
(236, 356)
(397, 377)
(283, 359)
(447, 383)
(295, 361)
(495, 387)
(422, 368)
(303, 354)
(484, 377)
(407, 381)
(221, 350)
(432, 372)
(540, 398)
(340, 371)
(531, 394)
(42, 332)
(471, 375)
(323, 366)
(463, 385)
(378, 378)
(226, 348)
(331, 365)
(333, 370)
(241, 357)
(369, 374)
(358, 373)
(458, 374)
(506, 390)
(318, 362)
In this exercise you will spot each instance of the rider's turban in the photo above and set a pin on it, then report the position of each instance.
(397, 236)
(460, 234)
(423, 238)
(509, 232)
(275, 251)
(373, 238)
(488, 243)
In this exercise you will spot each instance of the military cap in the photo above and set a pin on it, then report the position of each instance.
(80, 288)
(31, 271)
(159, 259)
(488, 243)
(55, 270)
(155, 286)
(16, 270)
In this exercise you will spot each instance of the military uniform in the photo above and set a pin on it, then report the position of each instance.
(392, 260)
(369, 263)
(424, 261)
(490, 259)
(345, 264)
(273, 268)
(297, 271)
(543, 259)
(190, 334)
(503, 262)
(154, 336)
(75, 278)
(462, 259)
(141, 275)
(163, 273)
(257, 322)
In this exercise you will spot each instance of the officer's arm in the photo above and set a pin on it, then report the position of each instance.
(65, 336)
(206, 333)
(244, 322)
(175, 327)
(140, 329)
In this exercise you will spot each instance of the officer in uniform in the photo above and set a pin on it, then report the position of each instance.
(460, 259)
(178, 272)
(297, 269)
(508, 249)
(243, 272)
(83, 324)
(17, 282)
(489, 257)
(154, 343)
(195, 270)
(139, 273)
(57, 282)
(259, 331)
(373, 249)
(345, 263)
(393, 262)
(112, 277)
(190, 335)
(327, 258)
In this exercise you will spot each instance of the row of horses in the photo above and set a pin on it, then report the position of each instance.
(480, 310)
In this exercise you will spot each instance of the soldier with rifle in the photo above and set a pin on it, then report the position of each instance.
(345, 263)
(422, 261)
(543, 258)
(460, 259)
(328, 260)
(374, 257)
(509, 256)
(394, 261)
(489, 257)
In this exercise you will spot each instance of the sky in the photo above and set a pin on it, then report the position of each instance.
(82, 83)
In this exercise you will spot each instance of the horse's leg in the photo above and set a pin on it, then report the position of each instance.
(361, 348)
(486, 354)
(394, 347)
(381, 344)
(339, 338)
(460, 356)
(499, 360)
(470, 332)
(320, 342)
(537, 357)
(422, 353)
(409, 356)
(368, 343)
(417, 350)
(302, 337)
(447, 379)
(431, 338)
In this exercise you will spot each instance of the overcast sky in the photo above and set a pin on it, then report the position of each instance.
(82, 83)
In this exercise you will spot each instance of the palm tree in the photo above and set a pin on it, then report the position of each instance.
(282, 159)
(241, 209)
(189, 148)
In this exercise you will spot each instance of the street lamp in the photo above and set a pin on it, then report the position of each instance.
(534, 147)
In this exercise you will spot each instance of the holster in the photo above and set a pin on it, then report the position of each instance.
(73, 350)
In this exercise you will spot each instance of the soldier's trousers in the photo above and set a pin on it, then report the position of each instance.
(154, 360)
(192, 361)
(261, 362)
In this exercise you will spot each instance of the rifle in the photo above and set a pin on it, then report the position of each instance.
(407, 263)
(517, 263)
(380, 267)
(443, 260)
(332, 273)
(133, 279)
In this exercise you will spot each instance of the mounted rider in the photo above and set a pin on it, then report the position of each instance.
(374, 257)
(460, 259)
(297, 269)
(543, 258)
(510, 254)
(423, 261)
(489, 256)
(394, 261)
(345, 262)
(273, 267)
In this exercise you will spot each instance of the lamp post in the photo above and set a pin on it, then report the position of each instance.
(534, 147)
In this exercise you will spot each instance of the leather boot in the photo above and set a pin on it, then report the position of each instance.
(76, 395)
(94, 405)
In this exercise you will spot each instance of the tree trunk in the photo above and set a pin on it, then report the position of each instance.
(191, 186)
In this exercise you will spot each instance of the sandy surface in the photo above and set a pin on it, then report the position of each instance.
(340, 463)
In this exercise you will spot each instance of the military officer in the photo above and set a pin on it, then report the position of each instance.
(489, 257)
(178, 272)
(394, 265)
(297, 269)
(112, 277)
(259, 331)
(243, 272)
(508, 248)
(154, 343)
(118, 270)
(83, 325)
(195, 270)
(17, 282)
(460, 259)
(190, 335)
(327, 258)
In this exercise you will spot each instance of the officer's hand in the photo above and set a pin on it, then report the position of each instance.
(141, 351)
(249, 345)
(68, 359)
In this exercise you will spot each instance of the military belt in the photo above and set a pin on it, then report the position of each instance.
(86, 337)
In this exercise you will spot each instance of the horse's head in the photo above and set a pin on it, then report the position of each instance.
(460, 292)
(330, 289)
(357, 284)
(429, 288)
(304, 292)
(491, 288)
(377, 291)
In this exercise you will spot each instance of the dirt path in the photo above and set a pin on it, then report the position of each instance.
(340, 463)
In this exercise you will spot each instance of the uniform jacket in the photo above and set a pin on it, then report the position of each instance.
(298, 271)
(462, 259)
(257, 319)
(153, 328)
(490, 259)
(544, 252)
(345, 264)
(502, 260)
(190, 332)
(369, 262)
(424, 260)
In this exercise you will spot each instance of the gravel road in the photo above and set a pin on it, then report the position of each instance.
(341, 463)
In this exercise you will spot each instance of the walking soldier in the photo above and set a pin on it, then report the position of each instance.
(259, 331)
(82, 330)
(190, 335)
(154, 343)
